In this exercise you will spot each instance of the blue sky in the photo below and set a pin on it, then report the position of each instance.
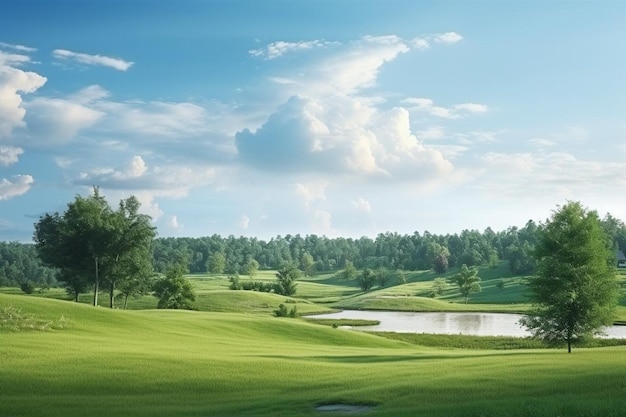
(337, 118)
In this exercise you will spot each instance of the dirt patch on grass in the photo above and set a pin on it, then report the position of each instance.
(343, 408)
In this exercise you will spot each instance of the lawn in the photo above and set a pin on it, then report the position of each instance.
(189, 363)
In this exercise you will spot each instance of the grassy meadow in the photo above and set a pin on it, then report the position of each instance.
(232, 357)
(189, 363)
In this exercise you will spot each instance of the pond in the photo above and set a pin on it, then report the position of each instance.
(476, 324)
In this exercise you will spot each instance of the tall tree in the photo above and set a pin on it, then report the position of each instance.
(90, 239)
(575, 291)
(130, 249)
(468, 281)
(367, 279)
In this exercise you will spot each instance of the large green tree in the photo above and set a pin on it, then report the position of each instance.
(91, 243)
(575, 290)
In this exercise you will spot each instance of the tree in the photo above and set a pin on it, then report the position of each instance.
(174, 291)
(439, 286)
(468, 281)
(286, 280)
(307, 264)
(382, 277)
(90, 243)
(349, 271)
(129, 259)
(367, 279)
(575, 290)
(217, 263)
(252, 266)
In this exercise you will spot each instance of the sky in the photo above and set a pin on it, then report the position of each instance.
(337, 118)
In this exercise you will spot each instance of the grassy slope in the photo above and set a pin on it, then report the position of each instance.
(179, 363)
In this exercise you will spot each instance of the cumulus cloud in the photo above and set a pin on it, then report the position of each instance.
(456, 111)
(9, 155)
(87, 59)
(19, 186)
(340, 136)
(14, 81)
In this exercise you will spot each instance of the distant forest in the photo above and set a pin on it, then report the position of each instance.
(19, 263)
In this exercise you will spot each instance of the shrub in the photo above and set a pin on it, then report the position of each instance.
(27, 287)
(284, 312)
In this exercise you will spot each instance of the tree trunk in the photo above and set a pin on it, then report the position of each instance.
(96, 287)
(125, 301)
(569, 345)
(112, 295)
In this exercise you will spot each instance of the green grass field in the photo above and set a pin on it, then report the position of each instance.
(183, 363)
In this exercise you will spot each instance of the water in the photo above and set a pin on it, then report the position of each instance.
(476, 324)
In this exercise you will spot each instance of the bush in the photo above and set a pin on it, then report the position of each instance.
(284, 312)
(27, 287)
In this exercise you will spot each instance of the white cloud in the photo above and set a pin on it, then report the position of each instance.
(312, 191)
(322, 223)
(14, 81)
(362, 205)
(54, 120)
(432, 133)
(115, 63)
(172, 222)
(9, 155)
(549, 175)
(457, 111)
(244, 222)
(20, 48)
(19, 186)
(280, 48)
(448, 37)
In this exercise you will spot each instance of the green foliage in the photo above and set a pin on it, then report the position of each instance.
(500, 285)
(284, 312)
(367, 279)
(91, 243)
(251, 268)
(468, 281)
(286, 280)
(382, 278)
(307, 264)
(27, 287)
(235, 283)
(349, 271)
(174, 291)
(217, 263)
(575, 291)
(439, 286)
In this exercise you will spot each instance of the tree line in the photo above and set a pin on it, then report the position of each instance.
(312, 253)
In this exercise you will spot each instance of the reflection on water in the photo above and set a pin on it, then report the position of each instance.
(477, 324)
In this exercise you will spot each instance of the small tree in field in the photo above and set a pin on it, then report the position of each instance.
(286, 280)
(468, 281)
(575, 291)
(174, 291)
(367, 279)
